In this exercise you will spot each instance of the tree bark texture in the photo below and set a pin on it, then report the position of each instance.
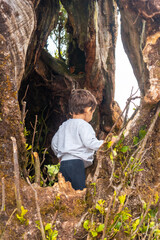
(17, 23)
(140, 36)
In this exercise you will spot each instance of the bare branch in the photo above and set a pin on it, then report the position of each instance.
(38, 211)
(34, 132)
(107, 216)
(3, 195)
(37, 168)
(16, 175)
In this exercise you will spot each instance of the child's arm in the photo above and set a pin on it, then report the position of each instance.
(54, 144)
(88, 137)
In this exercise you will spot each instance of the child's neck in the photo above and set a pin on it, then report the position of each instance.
(79, 116)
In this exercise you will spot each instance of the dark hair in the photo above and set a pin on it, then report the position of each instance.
(80, 99)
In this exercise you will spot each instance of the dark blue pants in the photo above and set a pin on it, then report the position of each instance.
(74, 172)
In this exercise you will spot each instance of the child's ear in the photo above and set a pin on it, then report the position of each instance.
(88, 109)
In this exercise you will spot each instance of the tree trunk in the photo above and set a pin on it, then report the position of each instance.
(17, 26)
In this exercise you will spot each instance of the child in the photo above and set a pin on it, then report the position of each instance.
(75, 142)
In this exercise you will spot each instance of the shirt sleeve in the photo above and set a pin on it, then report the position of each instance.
(54, 143)
(88, 137)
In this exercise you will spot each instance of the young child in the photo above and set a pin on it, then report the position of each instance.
(75, 142)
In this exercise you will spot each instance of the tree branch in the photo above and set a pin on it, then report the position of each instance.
(3, 195)
(38, 210)
(16, 175)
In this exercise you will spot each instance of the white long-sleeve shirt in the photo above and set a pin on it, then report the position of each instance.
(75, 139)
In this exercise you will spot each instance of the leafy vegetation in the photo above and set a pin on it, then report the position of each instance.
(21, 216)
(50, 232)
(59, 35)
(52, 171)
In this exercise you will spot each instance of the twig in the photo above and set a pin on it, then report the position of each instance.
(128, 102)
(3, 195)
(111, 177)
(44, 153)
(38, 211)
(34, 132)
(24, 112)
(107, 217)
(146, 235)
(127, 109)
(16, 175)
(7, 223)
(54, 217)
(25, 94)
(37, 168)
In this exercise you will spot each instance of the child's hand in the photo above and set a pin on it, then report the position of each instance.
(113, 140)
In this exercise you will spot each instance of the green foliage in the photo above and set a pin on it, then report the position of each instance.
(124, 149)
(94, 187)
(141, 135)
(100, 206)
(52, 171)
(93, 228)
(59, 35)
(122, 199)
(121, 220)
(50, 232)
(21, 216)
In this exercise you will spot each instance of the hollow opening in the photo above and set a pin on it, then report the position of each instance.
(125, 80)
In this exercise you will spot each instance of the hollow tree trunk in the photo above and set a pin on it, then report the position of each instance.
(94, 33)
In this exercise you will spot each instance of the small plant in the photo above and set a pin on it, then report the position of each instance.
(21, 216)
(141, 135)
(94, 188)
(93, 228)
(100, 206)
(50, 232)
(52, 171)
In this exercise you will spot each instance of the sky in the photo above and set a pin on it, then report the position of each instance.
(124, 77)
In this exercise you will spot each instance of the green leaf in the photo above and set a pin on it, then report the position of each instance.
(156, 197)
(21, 219)
(111, 156)
(135, 140)
(152, 224)
(94, 233)
(48, 226)
(118, 225)
(122, 199)
(144, 205)
(142, 133)
(140, 170)
(23, 211)
(114, 152)
(116, 176)
(30, 147)
(53, 169)
(124, 149)
(86, 225)
(109, 144)
(157, 231)
(135, 224)
(100, 228)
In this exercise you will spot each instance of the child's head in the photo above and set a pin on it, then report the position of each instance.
(80, 100)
